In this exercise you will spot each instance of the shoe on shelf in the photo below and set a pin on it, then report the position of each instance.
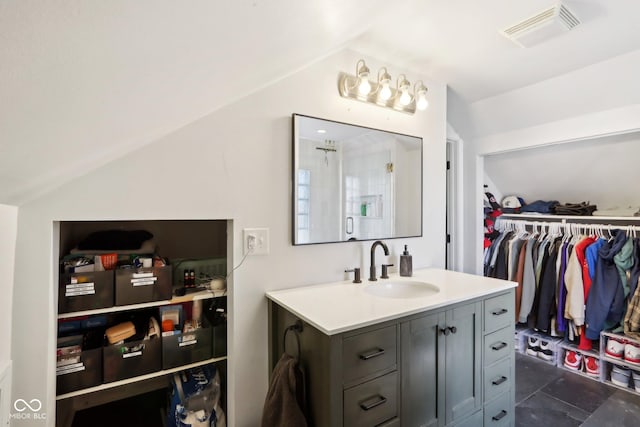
(620, 376)
(545, 351)
(573, 360)
(533, 346)
(592, 366)
(632, 353)
(615, 347)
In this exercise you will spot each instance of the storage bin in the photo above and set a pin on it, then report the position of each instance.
(140, 285)
(185, 348)
(86, 373)
(85, 291)
(220, 340)
(132, 359)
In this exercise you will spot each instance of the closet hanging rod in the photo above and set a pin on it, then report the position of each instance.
(504, 223)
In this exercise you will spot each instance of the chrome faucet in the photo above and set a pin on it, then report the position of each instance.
(372, 268)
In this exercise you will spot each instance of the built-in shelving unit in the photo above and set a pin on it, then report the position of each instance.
(190, 243)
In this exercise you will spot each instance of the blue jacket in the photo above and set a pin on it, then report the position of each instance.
(605, 303)
(591, 254)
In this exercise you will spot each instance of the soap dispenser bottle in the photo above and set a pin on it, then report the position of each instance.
(406, 263)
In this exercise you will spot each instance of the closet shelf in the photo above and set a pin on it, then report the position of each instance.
(570, 346)
(201, 295)
(621, 362)
(590, 218)
(139, 378)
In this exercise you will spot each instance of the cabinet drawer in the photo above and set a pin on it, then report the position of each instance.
(497, 345)
(372, 403)
(497, 379)
(368, 353)
(499, 312)
(499, 412)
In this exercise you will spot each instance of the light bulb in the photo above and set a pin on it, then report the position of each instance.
(420, 91)
(364, 87)
(405, 98)
(385, 91)
(362, 72)
(421, 102)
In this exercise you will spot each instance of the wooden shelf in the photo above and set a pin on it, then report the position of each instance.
(201, 295)
(131, 380)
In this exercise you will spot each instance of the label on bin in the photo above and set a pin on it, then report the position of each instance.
(186, 343)
(77, 289)
(133, 354)
(143, 281)
(69, 369)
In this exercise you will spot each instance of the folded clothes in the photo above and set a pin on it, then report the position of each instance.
(579, 209)
(540, 206)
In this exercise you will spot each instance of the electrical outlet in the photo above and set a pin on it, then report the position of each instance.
(256, 241)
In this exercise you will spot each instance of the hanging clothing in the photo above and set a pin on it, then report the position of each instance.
(632, 316)
(547, 287)
(606, 289)
(561, 290)
(519, 277)
(635, 270)
(528, 281)
(543, 257)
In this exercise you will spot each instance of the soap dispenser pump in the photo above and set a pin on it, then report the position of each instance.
(406, 263)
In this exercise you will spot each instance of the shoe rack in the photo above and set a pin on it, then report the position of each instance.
(606, 363)
(575, 360)
(620, 372)
(541, 346)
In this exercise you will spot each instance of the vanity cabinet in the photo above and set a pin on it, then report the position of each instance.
(424, 369)
(441, 356)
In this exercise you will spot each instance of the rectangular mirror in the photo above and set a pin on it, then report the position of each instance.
(354, 183)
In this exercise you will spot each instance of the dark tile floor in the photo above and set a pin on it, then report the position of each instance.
(553, 397)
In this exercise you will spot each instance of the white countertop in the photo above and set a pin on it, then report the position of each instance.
(339, 307)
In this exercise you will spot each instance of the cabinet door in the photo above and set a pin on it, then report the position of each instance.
(463, 361)
(422, 368)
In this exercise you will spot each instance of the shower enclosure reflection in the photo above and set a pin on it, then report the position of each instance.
(354, 183)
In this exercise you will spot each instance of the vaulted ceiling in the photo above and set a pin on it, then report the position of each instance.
(83, 82)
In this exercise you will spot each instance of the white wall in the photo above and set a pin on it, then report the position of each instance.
(599, 100)
(603, 171)
(235, 163)
(9, 227)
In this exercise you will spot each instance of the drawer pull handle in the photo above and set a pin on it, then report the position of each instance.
(380, 400)
(374, 353)
(498, 346)
(500, 416)
(499, 380)
(499, 312)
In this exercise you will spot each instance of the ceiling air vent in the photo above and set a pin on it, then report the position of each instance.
(543, 26)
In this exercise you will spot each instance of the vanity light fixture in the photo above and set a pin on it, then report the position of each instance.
(380, 92)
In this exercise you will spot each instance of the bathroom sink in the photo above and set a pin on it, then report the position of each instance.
(401, 289)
